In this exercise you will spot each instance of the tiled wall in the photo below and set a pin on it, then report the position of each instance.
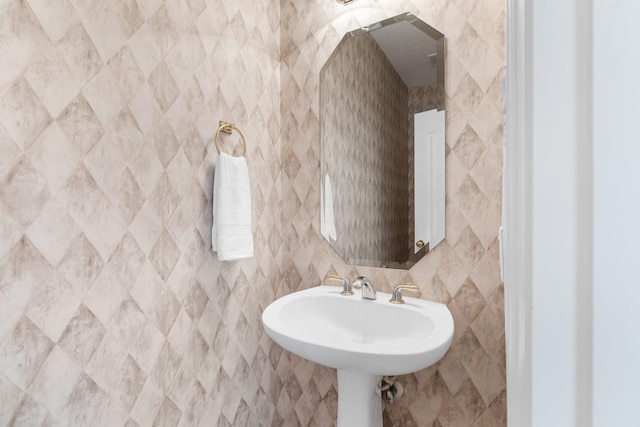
(467, 388)
(112, 309)
(365, 123)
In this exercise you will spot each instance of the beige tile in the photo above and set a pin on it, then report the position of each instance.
(451, 415)
(52, 232)
(149, 7)
(55, 17)
(471, 199)
(11, 153)
(164, 255)
(470, 401)
(209, 322)
(105, 295)
(184, 58)
(487, 172)
(22, 113)
(181, 226)
(488, 18)
(178, 336)
(469, 300)
(186, 109)
(127, 323)
(24, 193)
(483, 372)
(168, 415)
(161, 306)
(129, 16)
(53, 305)
(164, 198)
(79, 53)
(80, 125)
(163, 86)
(147, 346)
(481, 61)
(489, 328)
(132, 380)
(103, 26)
(104, 96)
(145, 49)
(182, 385)
(126, 71)
(163, 30)
(81, 264)
(24, 39)
(11, 315)
(452, 21)
(209, 371)
(196, 302)
(53, 156)
(92, 211)
(10, 395)
(87, 403)
(29, 413)
(148, 404)
(82, 336)
(146, 227)
(486, 274)
(55, 381)
(195, 406)
(23, 270)
(106, 362)
(166, 366)
(129, 197)
(53, 81)
(146, 110)
(126, 260)
(22, 352)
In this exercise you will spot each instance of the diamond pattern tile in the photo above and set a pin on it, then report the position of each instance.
(107, 117)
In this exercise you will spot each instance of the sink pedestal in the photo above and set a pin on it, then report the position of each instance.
(359, 403)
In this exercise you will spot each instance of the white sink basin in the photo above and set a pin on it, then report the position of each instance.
(363, 339)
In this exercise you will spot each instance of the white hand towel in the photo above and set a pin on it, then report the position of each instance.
(231, 234)
(327, 220)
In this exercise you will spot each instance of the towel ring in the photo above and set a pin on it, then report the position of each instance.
(228, 128)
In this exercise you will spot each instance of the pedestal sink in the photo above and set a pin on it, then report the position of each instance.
(363, 339)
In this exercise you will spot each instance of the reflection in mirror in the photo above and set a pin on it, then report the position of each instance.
(382, 143)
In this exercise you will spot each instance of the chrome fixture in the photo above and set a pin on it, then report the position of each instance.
(396, 297)
(345, 2)
(363, 283)
(346, 285)
(391, 388)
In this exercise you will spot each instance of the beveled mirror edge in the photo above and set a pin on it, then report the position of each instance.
(440, 39)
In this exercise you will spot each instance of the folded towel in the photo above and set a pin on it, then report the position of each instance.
(327, 220)
(231, 234)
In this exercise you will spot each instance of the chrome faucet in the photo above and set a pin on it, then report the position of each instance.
(396, 297)
(360, 282)
(363, 283)
(346, 285)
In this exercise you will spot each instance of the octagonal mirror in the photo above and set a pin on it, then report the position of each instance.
(382, 127)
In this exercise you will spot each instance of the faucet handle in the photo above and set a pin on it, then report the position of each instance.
(346, 285)
(396, 297)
